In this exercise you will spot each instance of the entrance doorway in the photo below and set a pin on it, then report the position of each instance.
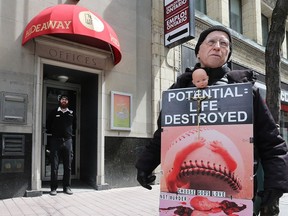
(51, 93)
(82, 87)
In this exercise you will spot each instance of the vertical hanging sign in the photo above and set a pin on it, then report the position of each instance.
(179, 22)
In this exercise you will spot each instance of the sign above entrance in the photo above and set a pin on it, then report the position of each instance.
(69, 55)
(179, 22)
(77, 24)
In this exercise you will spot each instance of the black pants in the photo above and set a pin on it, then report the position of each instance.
(61, 148)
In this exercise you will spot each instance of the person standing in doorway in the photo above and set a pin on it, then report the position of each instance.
(61, 124)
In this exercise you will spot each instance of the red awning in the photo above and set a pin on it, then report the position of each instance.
(76, 24)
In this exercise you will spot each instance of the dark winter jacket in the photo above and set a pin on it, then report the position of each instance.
(269, 146)
(61, 124)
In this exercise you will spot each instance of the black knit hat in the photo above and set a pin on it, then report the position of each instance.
(63, 96)
(204, 34)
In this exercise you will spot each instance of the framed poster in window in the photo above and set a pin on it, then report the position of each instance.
(121, 109)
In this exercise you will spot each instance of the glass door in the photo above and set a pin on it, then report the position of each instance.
(51, 93)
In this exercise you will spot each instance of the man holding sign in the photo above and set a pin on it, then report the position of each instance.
(213, 50)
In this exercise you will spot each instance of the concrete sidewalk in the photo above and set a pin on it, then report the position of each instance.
(132, 201)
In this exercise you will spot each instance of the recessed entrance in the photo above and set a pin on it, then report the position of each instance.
(82, 89)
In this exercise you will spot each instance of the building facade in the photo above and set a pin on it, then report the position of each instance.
(248, 22)
(114, 90)
(37, 66)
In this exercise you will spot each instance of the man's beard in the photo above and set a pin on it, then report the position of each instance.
(63, 106)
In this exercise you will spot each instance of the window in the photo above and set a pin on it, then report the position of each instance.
(235, 66)
(200, 5)
(265, 29)
(235, 14)
(284, 122)
(188, 58)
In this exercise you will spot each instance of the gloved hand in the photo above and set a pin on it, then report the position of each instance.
(145, 179)
(269, 196)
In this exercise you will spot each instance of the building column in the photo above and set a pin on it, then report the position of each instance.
(251, 18)
(100, 178)
(219, 10)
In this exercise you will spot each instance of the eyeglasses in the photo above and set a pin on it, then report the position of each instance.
(213, 41)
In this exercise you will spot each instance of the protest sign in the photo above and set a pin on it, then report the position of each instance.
(207, 150)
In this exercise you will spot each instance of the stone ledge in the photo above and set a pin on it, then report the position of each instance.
(33, 193)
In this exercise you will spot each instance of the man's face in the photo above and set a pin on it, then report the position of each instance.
(214, 50)
(64, 102)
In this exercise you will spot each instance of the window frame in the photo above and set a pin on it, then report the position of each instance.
(264, 37)
(233, 25)
(201, 5)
